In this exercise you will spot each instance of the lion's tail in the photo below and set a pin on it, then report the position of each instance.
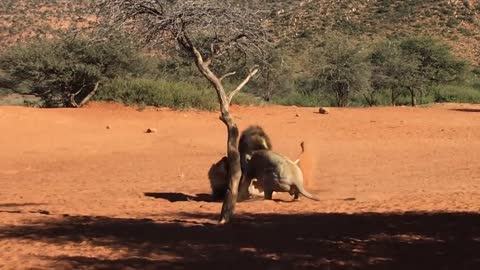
(305, 193)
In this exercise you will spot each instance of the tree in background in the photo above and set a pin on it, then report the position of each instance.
(341, 69)
(276, 78)
(411, 66)
(210, 33)
(66, 72)
(393, 71)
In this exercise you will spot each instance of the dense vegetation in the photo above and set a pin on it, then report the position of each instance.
(360, 55)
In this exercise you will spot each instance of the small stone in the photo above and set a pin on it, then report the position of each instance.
(108, 127)
(151, 130)
(322, 110)
(297, 115)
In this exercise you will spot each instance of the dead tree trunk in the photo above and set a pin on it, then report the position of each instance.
(233, 155)
(74, 103)
(90, 95)
(413, 98)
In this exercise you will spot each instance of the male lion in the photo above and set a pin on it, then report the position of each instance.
(274, 172)
(252, 139)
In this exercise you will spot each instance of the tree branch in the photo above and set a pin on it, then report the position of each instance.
(242, 84)
(87, 98)
(228, 75)
(72, 96)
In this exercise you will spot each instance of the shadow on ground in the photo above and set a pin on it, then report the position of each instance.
(14, 208)
(203, 197)
(269, 241)
(180, 197)
(466, 110)
(5, 205)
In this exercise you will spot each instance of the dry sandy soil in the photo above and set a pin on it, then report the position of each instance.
(399, 189)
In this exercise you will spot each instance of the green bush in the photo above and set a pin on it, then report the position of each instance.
(63, 71)
(303, 100)
(160, 93)
(275, 78)
(466, 92)
(164, 93)
(341, 68)
(242, 98)
(476, 71)
(456, 93)
(437, 62)
(411, 66)
(334, 71)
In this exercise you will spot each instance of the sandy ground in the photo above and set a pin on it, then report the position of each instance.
(399, 189)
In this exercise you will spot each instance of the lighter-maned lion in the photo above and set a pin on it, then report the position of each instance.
(275, 172)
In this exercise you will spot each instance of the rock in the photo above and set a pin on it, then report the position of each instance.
(297, 115)
(322, 110)
(151, 130)
(108, 127)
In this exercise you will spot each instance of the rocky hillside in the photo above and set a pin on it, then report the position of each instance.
(21, 19)
(457, 22)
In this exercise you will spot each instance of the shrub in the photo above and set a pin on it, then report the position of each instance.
(158, 93)
(465, 92)
(165, 93)
(411, 66)
(303, 100)
(476, 71)
(63, 72)
(275, 78)
(456, 93)
(394, 73)
(437, 62)
(243, 98)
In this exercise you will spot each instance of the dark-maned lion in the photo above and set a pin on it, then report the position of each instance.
(252, 139)
(218, 179)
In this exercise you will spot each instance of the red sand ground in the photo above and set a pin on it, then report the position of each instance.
(399, 189)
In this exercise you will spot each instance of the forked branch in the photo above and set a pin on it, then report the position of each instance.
(85, 99)
(227, 75)
(242, 84)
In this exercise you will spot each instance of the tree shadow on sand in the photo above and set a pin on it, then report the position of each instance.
(269, 241)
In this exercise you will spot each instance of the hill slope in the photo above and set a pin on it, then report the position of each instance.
(453, 21)
(21, 19)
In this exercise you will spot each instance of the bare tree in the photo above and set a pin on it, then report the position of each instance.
(209, 31)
